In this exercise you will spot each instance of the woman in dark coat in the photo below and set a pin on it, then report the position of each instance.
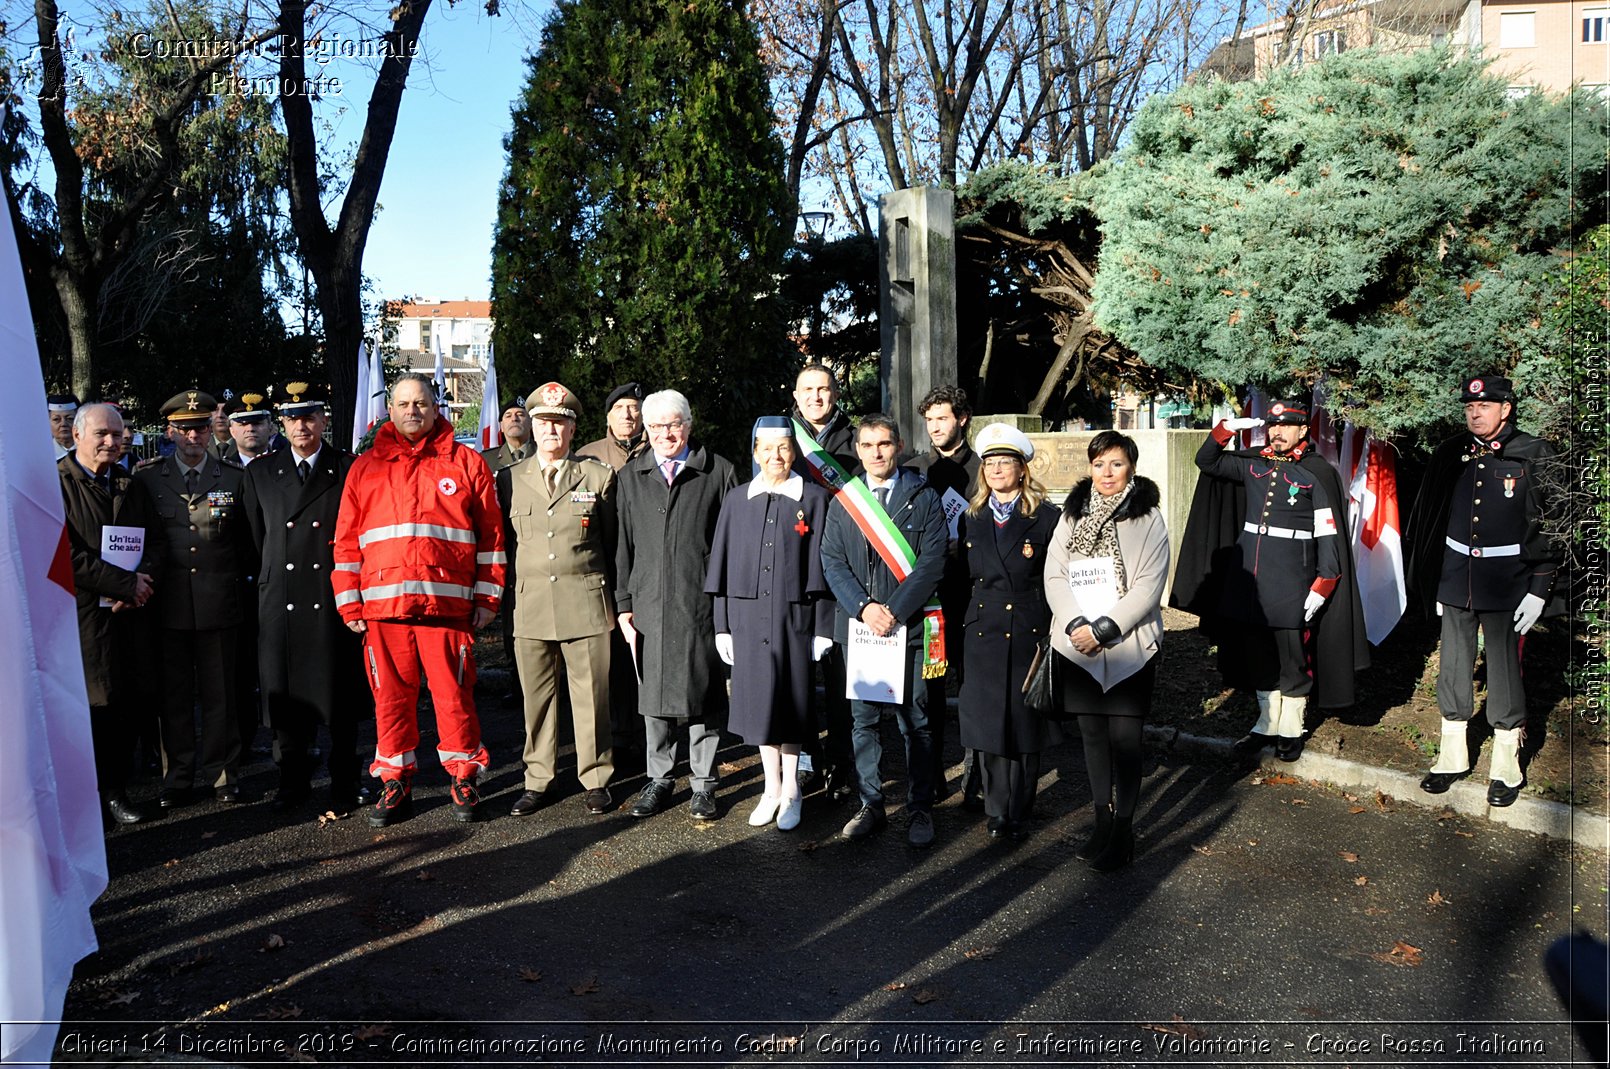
(773, 612)
(1004, 534)
(1112, 546)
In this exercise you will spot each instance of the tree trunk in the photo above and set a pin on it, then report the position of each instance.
(1072, 342)
(79, 298)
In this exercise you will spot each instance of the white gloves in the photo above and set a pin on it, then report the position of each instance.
(1439, 608)
(819, 647)
(1243, 423)
(724, 649)
(1312, 604)
(1527, 612)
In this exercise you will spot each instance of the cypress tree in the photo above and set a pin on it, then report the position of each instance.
(644, 214)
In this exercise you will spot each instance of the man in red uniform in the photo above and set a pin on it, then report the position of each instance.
(418, 569)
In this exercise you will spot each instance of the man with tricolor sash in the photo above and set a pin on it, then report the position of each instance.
(883, 553)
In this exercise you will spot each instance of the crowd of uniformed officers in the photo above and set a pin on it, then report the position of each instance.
(259, 575)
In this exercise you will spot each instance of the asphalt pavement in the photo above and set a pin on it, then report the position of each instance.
(1267, 919)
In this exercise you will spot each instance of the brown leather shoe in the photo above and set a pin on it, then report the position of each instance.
(528, 803)
(598, 800)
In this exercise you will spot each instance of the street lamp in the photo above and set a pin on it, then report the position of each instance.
(815, 224)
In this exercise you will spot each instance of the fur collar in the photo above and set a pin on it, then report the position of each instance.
(1144, 498)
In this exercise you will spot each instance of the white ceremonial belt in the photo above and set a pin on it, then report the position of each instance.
(1483, 551)
(1277, 532)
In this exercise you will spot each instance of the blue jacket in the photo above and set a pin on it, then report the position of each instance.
(857, 575)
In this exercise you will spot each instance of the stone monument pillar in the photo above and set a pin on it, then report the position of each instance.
(917, 301)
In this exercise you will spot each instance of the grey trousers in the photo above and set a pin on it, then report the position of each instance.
(660, 736)
(1456, 689)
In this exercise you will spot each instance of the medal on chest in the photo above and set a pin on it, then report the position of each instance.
(801, 528)
(1028, 550)
(1291, 493)
(1509, 486)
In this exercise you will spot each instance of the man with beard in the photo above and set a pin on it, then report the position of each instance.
(1478, 550)
(310, 664)
(951, 467)
(1275, 584)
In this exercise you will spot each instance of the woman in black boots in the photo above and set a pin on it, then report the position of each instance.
(1104, 578)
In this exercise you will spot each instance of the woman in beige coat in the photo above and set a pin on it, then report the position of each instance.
(1104, 576)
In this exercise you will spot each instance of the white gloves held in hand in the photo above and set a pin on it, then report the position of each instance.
(724, 648)
(819, 647)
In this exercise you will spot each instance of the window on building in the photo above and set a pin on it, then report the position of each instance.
(1518, 92)
(1328, 43)
(1517, 29)
(1593, 20)
(424, 335)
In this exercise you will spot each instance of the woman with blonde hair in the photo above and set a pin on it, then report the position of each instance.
(1004, 535)
(1104, 579)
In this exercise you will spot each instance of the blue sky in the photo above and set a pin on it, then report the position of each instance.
(433, 234)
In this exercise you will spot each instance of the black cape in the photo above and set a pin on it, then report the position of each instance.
(1207, 553)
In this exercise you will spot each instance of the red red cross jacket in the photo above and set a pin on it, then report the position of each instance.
(420, 533)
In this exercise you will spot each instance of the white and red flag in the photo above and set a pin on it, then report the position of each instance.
(50, 812)
(491, 410)
(1377, 538)
(360, 411)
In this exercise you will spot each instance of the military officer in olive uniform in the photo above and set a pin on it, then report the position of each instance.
(310, 663)
(559, 534)
(198, 608)
(1478, 550)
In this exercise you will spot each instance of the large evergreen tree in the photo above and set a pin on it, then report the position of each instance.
(644, 214)
(1386, 220)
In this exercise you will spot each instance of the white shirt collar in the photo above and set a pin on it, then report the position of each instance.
(874, 484)
(792, 487)
(311, 461)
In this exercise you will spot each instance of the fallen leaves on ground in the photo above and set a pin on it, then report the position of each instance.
(808, 845)
(283, 1012)
(1435, 899)
(1355, 810)
(1401, 954)
(1203, 850)
(588, 986)
(1178, 1027)
(200, 957)
(425, 876)
(1464, 834)
(1348, 856)
(372, 1031)
(1280, 779)
(530, 975)
(1360, 881)
(1383, 801)
(1299, 801)
(925, 996)
(273, 942)
(1349, 797)
(983, 953)
(168, 864)
(1376, 911)
(330, 816)
(895, 985)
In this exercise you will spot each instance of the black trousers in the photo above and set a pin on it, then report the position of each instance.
(296, 728)
(1456, 688)
(112, 733)
(1009, 784)
(1267, 658)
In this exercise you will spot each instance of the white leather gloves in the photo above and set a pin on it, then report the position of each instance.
(1527, 612)
(819, 647)
(724, 649)
(1243, 423)
(1312, 604)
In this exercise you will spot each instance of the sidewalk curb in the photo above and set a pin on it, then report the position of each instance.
(1537, 815)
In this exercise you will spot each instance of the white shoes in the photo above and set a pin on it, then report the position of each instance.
(765, 809)
(788, 817)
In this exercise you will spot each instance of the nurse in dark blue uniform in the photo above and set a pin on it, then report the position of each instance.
(773, 611)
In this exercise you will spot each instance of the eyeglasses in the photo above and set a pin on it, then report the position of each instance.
(667, 428)
(1000, 462)
(190, 428)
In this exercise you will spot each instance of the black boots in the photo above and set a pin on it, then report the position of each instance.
(1092, 847)
(1120, 847)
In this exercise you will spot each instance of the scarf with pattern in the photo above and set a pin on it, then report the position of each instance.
(1096, 532)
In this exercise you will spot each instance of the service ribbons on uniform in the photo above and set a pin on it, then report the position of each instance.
(881, 534)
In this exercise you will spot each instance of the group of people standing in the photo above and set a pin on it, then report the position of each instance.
(642, 571)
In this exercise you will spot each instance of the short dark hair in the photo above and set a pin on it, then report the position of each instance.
(954, 396)
(1113, 440)
(818, 366)
(423, 379)
(878, 419)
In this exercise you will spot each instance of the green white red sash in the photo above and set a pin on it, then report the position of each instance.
(881, 534)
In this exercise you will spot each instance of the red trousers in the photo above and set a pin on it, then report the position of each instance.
(393, 653)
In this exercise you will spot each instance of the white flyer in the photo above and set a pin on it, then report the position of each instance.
(122, 547)
(954, 505)
(875, 666)
(1095, 589)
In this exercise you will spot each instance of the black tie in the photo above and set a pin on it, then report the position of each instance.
(190, 480)
(882, 493)
(301, 470)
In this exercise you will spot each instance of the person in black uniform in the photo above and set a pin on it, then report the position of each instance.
(1003, 537)
(951, 468)
(310, 664)
(1477, 549)
(1288, 560)
(816, 408)
(200, 604)
(773, 611)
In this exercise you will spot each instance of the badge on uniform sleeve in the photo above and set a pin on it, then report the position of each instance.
(447, 486)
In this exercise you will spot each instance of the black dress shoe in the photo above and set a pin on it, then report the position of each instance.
(703, 805)
(654, 798)
(528, 802)
(1439, 782)
(598, 800)
(174, 797)
(1289, 749)
(228, 794)
(1250, 745)
(1501, 794)
(123, 811)
(289, 798)
(996, 827)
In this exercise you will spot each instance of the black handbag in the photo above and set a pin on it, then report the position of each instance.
(1042, 689)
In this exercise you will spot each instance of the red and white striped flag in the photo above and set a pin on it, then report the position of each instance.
(491, 413)
(50, 820)
(1378, 539)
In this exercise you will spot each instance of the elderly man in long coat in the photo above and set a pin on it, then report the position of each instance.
(668, 502)
(310, 664)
